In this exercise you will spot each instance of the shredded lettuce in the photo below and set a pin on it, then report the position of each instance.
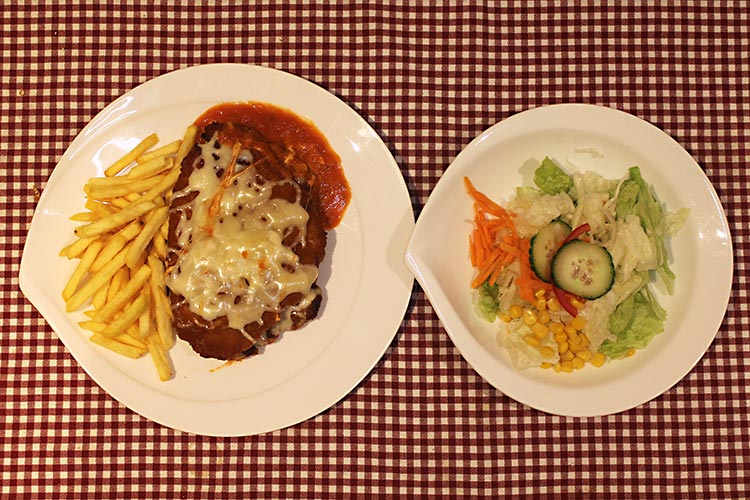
(552, 179)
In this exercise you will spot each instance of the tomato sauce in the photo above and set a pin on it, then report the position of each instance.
(294, 133)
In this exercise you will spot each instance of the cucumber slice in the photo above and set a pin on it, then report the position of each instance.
(543, 246)
(583, 269)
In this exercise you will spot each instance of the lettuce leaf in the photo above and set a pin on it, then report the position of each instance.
(635, 198)
(487, 303)
(635, 322)
(551, 179)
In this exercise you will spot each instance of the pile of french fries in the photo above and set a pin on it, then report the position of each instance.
(122, 248)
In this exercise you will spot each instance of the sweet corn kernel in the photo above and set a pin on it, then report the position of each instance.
(585, 354)
(546, 365)
(543, 317)
(515, 311)
(567, 366)
(598, 359)
(540, 330)
(630, 353)
(529, 317)
(541, 304)
(547, 352)
(553, 305)
(561, 337)
(578, 362)
(578, 323)
(557, 367)
(557, 327)
(563, 347)
(539, 294)
(570, 331)
(567, 356)
(532, 340)
(584, 339)
(577, 347)
(505, 317)
(576, 303)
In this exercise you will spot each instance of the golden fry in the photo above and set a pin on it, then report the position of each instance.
(149, 168)
(147, 232)
(164, 186)
(161, 307)
(127, 338)
(159, 356)
(98, 208)
(166, 150)
(130, 157)
(100, 297)
(118, 347)
(129, 316)
(127, 214)
(124, 295)
(76, 248)
(117, 282)
(83, 267)
(84, 217)
(95, 281)
(188, 141)
(131, 188)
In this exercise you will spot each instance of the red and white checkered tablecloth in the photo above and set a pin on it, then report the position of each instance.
(429, 78)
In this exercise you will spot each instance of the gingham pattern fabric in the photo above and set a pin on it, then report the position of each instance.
(429, 78)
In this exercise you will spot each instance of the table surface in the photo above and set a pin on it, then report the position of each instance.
(429, 78)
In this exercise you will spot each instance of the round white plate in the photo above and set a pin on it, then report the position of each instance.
(365, 281)
(606, 141)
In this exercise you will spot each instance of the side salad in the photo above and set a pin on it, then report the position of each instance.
(567, 265)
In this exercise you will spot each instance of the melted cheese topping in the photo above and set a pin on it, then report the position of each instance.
(235, 263)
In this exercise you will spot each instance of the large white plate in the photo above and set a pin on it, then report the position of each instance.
(366, 284)
(504, 157)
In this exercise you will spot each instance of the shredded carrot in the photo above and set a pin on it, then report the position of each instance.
(494, 244)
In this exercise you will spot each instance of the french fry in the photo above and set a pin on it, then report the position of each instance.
(112, 248)
(159, 356)
(116, 283)
(166, 150)
(122, 189)
(129, 316)
(147, 233)
(161, 308)
(99, 279)
(84, 217)
(131, 155)
(159, 245)
(124, 295)
(83, 267)
(164, 186)
(98, 208)
(100, 296)
(115, 244)
(188, 141)
(118, 347)
(127, 338)
(144, 322)
(76, 248)
(127, 214)
(149, 168)
(93, 326)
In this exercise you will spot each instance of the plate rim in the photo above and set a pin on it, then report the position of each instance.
(424, 275)
(399, 273)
